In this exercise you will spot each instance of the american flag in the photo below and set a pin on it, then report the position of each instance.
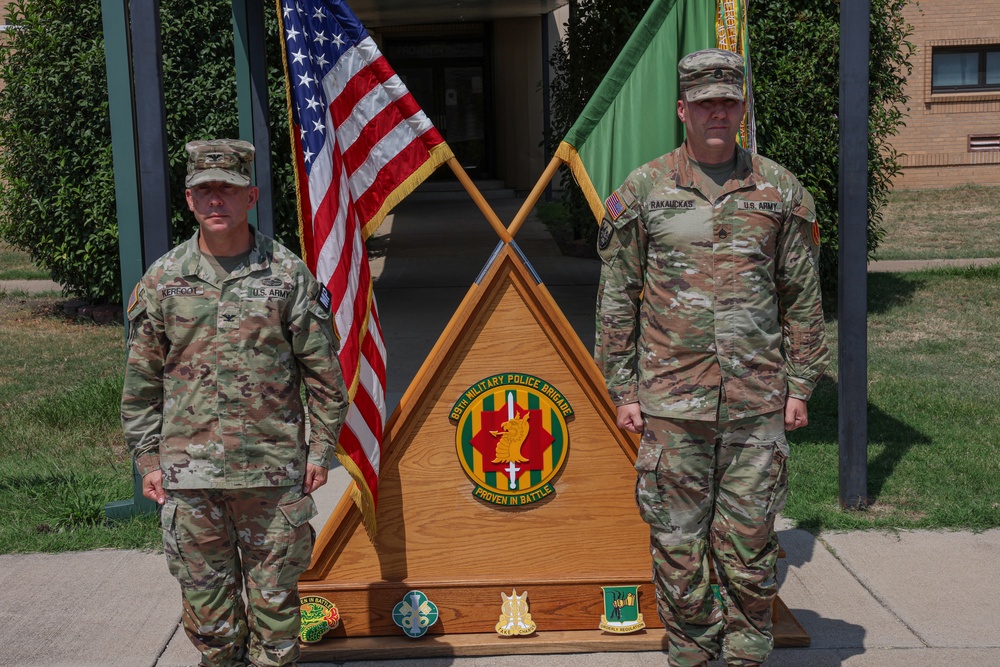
(361, 144)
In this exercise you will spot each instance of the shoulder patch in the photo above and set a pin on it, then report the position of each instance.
(133, 300)
(815, 233)
(324, 299)
(604, 235)
(614, 205)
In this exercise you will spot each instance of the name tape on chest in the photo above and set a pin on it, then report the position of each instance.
(661, 204)
(766, 206)
(183, 290)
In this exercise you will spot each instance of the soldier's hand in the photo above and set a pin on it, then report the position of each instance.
(629, 418)
(315, 477)
(796, 413)
(152, 486)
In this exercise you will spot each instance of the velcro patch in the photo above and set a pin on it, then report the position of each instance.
(604, 235)
(614, 205)
(133, 300)
(815, 232)
(325, 299)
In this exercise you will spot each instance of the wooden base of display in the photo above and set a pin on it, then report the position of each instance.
(438, 534)
(788, 632)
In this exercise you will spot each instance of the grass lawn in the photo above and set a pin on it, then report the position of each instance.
(16, 265)
(62, 457)
(942, 224)
(933, 415)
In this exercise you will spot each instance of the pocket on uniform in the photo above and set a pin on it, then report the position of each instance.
(778, 479)
(299, 540)
(171, 549)
(650, 497)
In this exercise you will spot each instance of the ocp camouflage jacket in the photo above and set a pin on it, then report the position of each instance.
(710, 309)
(212, 385)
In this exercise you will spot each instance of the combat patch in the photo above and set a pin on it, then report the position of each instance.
(766, 206)
(185, 290)
(661, 204)
(604, 235)
(815, 232)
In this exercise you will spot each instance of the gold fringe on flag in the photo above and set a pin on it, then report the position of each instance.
(732, 35)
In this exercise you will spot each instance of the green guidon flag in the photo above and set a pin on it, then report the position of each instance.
(632, 117)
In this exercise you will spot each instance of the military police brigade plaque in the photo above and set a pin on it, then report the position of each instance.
(512, 437)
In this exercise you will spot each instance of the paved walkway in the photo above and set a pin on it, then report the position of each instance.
(867, 599)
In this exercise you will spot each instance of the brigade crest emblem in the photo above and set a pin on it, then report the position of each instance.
(319, 616)
(621, 610)
(415, 614)
(512, 437)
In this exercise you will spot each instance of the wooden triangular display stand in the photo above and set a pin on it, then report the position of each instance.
(461, 551)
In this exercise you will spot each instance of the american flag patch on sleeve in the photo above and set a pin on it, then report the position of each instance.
(614, 205)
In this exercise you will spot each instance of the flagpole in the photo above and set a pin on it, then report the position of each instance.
(481, 202)
(534, 196)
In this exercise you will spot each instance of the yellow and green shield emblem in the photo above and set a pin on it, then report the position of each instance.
(512, 437)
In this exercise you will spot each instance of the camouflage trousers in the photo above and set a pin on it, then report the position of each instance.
(224, 546)
(709, 492)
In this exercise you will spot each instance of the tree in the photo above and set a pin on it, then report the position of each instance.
(57, 197)
(794, 53)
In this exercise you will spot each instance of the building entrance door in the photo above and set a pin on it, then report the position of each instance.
(449, 82)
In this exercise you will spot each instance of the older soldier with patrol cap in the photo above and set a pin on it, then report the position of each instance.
(223, 330)
(711, 341)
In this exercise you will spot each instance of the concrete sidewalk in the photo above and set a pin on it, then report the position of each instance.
(913, 599)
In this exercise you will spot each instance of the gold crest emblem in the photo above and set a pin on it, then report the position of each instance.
(515, 619)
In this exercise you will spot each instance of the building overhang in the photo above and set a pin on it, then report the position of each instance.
(381, 13)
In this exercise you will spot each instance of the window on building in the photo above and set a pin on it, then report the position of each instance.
(965, 68)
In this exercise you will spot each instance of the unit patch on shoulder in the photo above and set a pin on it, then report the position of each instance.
(614, 205)
(604, 235)
(815, 232)
(325, 299)
(133, 300)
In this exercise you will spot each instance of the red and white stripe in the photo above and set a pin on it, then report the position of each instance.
(380, 138)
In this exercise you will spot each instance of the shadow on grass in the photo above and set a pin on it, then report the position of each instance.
(895, 436)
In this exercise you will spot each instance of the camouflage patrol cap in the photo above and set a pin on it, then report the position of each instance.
(711, 73)
(221, 160)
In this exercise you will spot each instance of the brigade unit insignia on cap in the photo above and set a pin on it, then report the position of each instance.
(512, 437)
(415, 614)
(621, 610)
(319, 616)
(515, 619)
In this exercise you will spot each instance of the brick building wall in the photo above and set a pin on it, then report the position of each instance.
(936, 137)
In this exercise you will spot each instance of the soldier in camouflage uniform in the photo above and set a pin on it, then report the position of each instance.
(223, 331)
(711, 341)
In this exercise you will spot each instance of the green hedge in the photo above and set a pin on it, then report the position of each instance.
(57, 192)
